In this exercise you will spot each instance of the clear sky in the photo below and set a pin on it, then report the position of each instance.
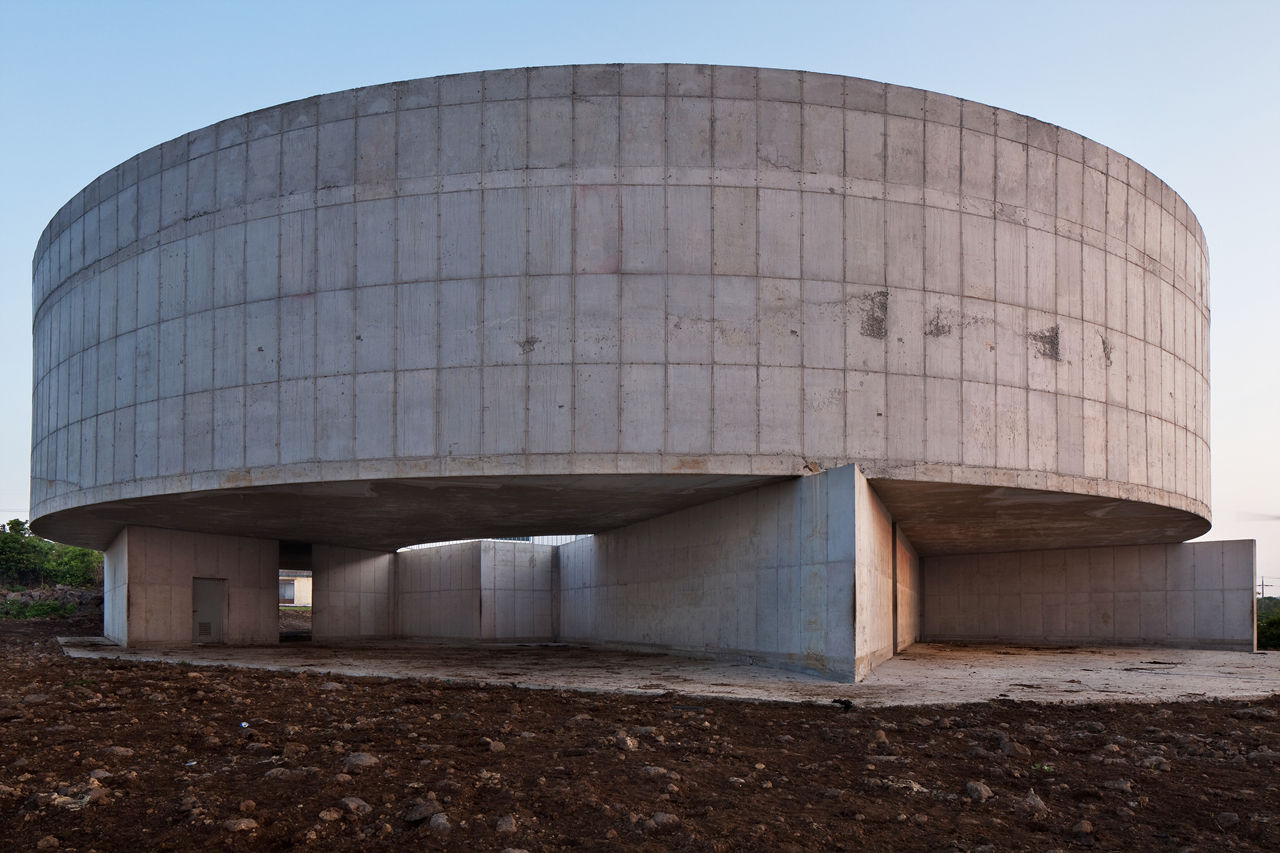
(1191, 90)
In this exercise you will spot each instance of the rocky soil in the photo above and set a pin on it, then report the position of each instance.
(111, 755)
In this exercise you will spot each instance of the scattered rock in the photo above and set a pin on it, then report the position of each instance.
(247, 806)
(331, 814)
(1124, 786)
(1034, 804)
(665, 819)
(902, 784)
(440, 824)
(1253, 714)
(1012, 749)
(355, 805)
(1155, 762)
(285, 773)
(47, 843)
(421, 809)
(1083, 827)
(244, 824)
(1226, 819)
(493, 745)
(978, 792)
(359, 761)
(121, 751)
(626, 742)
(332, 685)
(506, 824)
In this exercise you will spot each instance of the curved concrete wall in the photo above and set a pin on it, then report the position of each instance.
(622, 269)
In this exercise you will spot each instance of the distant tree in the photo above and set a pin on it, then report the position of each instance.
(72, 566)
(30, 560)
(1269, 632)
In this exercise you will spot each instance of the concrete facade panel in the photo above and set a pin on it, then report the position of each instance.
(1197, 595)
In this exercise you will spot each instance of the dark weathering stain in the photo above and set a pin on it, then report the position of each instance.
(1046, 342)
(1106, 349)
(875, 314)
(937, 327)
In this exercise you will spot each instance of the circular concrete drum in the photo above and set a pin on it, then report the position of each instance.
(568, 299)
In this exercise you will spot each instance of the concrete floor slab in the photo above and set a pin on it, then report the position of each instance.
(926, 674)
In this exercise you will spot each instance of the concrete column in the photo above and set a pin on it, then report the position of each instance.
(874, 614)
(115, 590)
(907, 601)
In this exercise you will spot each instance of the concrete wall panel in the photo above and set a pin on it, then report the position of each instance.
(352, 593)
(1196, 595)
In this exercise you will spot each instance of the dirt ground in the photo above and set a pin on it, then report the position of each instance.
(130, 755)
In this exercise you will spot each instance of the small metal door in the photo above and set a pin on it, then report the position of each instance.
(208, 609)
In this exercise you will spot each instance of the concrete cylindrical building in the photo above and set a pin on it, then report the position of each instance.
(575, 298)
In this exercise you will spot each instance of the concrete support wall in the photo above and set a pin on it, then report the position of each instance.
(115, 590)
(1198, 595)
(438, 591)
(351, 593)
(768, 575)
(477, 590)
(875, 586)
(149, 575)
(908, 604)
(522, 598)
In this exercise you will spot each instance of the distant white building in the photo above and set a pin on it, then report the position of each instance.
(295, 587)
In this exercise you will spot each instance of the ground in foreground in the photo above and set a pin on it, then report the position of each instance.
(117, 755)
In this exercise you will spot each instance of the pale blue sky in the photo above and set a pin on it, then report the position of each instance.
(1188, 89)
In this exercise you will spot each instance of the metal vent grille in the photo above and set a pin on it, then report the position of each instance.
(204, 629)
